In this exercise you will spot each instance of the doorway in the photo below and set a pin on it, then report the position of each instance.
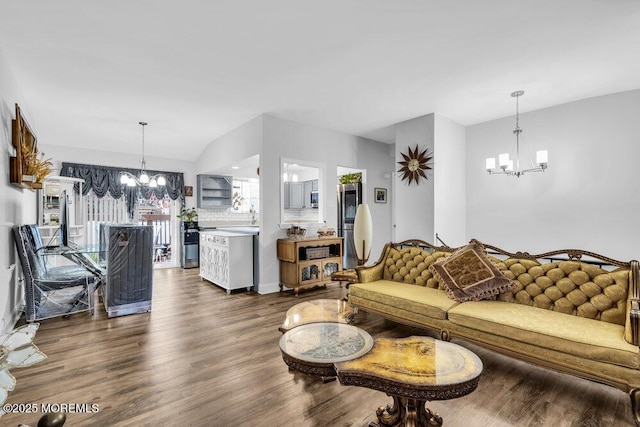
(159, 213)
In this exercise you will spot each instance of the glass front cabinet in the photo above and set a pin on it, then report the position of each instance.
(306, 263)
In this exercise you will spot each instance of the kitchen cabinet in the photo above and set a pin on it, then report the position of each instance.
(293, 195)
(226, 259)
(308, 263)
(215, 191)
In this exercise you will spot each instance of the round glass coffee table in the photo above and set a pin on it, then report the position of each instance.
(413, 371)
(318, 311)
(313, 348)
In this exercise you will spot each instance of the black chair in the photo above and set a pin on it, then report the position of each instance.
(52, 291)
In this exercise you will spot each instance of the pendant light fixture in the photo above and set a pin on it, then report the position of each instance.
(505, 164)
(143, 178)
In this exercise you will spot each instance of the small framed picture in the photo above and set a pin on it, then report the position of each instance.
(380, 195)
(188, 190)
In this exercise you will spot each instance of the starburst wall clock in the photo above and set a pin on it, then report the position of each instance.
(414, 164)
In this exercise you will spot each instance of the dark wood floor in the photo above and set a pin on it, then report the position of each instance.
(205, 358)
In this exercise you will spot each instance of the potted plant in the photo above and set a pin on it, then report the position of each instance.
(188, 215)
(351, 178)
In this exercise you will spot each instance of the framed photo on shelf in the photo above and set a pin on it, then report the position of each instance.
(380, 195)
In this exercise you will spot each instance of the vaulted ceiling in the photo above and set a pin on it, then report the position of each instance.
(196, 69)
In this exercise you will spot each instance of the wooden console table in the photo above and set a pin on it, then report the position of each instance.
(307, 263)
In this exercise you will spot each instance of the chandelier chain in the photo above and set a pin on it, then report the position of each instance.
(143, 124)
(128, 179)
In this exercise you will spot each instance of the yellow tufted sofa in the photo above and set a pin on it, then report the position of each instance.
(566, 313)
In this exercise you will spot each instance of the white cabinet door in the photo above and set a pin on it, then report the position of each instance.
(206, 257)
(224, 267)
(296, 190)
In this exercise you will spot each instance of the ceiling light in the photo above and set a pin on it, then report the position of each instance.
(143, 178)
(505, 163)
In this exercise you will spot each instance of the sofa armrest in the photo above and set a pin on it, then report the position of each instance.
(370, 274)
(374, 272)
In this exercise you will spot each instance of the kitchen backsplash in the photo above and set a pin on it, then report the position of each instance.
(209, 215)
(300, 215)
(231, 215)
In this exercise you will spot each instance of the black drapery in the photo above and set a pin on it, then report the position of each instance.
(105, 180)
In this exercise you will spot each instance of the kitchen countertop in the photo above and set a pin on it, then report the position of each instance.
(224, 233)
(225, 224)
(243, 229)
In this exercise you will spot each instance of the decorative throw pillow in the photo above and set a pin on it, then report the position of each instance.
(469, 275)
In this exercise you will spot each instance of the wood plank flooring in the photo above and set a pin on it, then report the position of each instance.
(205, 358)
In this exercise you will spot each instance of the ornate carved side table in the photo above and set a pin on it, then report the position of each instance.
(412, 371)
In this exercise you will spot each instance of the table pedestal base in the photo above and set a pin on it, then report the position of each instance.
(406, 412)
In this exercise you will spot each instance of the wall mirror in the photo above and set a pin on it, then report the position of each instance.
(301, 200)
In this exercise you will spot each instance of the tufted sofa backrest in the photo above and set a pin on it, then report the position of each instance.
(570, 287)
(411, 265)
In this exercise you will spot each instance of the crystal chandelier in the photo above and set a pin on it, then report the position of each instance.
(143, 179)
(505, 164)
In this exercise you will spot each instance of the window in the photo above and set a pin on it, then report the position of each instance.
(246, 195)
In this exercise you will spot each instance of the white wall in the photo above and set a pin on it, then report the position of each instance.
(239, 144)
(17, 205)
(107, 158)
(437, 204)
(449, 177)
(414, 204)
(231, 148)
(587, 199)
(284, 138)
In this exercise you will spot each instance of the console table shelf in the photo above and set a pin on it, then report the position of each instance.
(308, 263)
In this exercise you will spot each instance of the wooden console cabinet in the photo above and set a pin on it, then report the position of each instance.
(307, 263)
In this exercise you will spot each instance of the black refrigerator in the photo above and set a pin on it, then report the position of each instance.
(349, 197)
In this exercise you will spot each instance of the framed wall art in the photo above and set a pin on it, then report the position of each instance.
(380, 195)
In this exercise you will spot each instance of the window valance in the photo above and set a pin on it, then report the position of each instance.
(105, 180)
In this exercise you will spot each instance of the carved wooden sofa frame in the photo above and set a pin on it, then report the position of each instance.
(620, 377)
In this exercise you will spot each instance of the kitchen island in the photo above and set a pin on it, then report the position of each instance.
(226, 259)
